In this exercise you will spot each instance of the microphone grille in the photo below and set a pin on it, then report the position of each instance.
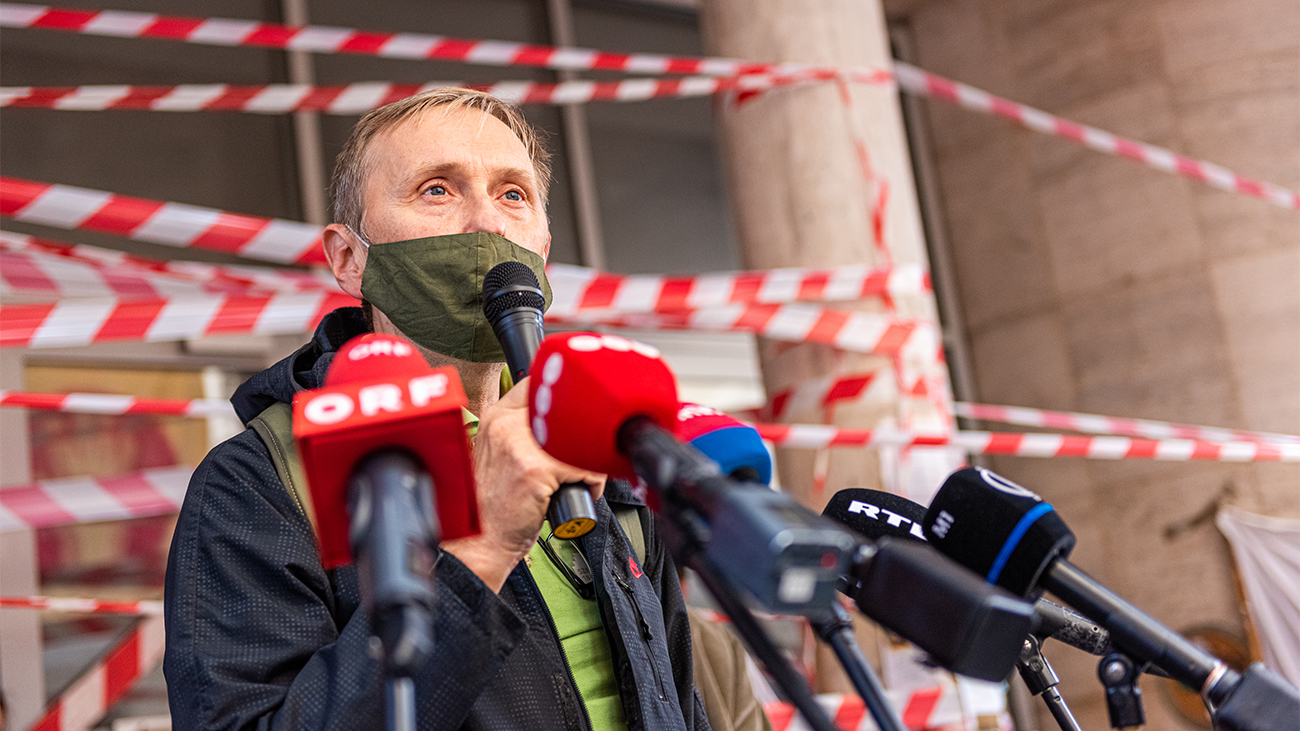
(524, 289)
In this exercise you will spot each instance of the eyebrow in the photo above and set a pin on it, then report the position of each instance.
(448, 168)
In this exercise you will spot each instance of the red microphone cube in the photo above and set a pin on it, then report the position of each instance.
(339, 424)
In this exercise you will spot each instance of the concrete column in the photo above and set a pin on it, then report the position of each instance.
(21, 673)
(800, 197)
(798, 192)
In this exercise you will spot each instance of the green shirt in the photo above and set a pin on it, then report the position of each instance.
(577, 621)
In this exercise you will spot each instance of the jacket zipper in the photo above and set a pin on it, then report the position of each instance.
(646, 635)
(582, 703)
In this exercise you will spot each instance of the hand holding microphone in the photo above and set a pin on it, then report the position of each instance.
(513, 303)
(516, 480)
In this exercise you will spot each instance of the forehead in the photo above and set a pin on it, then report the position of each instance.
(470, 139)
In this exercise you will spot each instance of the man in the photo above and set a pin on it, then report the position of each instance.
(259, 635)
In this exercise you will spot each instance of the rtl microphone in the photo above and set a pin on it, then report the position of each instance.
(876, 514)
(1011, 536)
(784, 555)
(962, 623)
(734, 445)
(513, 304)
(374, 440)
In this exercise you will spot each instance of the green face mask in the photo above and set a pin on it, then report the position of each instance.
(432, 288)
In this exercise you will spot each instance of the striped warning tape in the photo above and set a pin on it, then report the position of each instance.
(1093, 424)
(579, 289)
(927, 708)
(45, 276)
(1180, 442)
(71, 500)
(96, 271)
(156, 492)
(83, 322)
(816, 436)
(322, 39)
(171, 224)
(862, 332)
(73, 322)
(823, 392)
(104, 403)
(361, 97)
(85, 702)
(89, 606)
(917, 81)
(326, 39)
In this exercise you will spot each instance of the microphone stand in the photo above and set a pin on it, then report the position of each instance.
(685, 533)
(1119, 674)
(837, 631)
(1042, 680)
(393, 533)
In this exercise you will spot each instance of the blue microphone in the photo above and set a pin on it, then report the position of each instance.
(733, 444)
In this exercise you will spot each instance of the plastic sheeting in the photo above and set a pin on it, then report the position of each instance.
(1268, 556)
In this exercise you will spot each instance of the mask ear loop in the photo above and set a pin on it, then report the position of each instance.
(359, 236)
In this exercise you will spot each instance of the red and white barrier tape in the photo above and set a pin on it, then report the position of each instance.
(171, 224)
(105, 403)
(89, 606)
(83, 322)
(825, 392)
(72, 500)
(579, 289)
(80, 270)
(322, 39)
(816, 436)
(927, 708)
(86, 701)
(326, 39)
(921, 82)
(361, 97)
(1111, 425)
(861, 332)
(45, 276)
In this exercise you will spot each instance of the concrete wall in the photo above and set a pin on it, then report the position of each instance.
(1091, 283)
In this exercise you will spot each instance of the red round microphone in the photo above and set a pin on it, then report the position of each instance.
(372, 357)
(584, 386)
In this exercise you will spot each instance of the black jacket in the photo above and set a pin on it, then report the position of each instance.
(259, 635)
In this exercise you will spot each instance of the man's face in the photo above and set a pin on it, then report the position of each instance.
(442, 172)
(451, 171)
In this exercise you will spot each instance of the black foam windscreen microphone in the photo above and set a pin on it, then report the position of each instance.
(997, 529)
(513, 304)
(990, 523)
(876, 514)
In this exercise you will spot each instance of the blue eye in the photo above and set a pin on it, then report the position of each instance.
(436, 190)
(514, 195)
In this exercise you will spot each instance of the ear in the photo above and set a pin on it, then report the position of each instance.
(346, 256)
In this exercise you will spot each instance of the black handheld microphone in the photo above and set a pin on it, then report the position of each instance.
(1011, 536)
(512, 303)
